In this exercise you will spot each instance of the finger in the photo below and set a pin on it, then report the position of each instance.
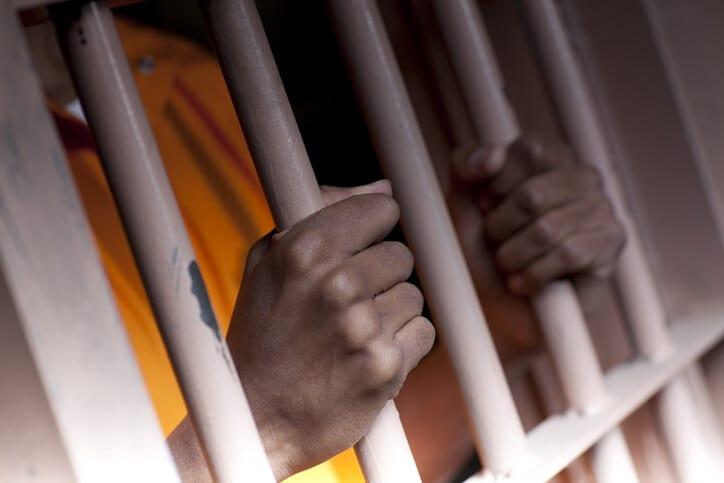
(538, 196)
(475, 163)
(380, 267)
(548, 231)
(341, 230)
(335, 194)
(257, 252)
(526, 157)
(416, 338)
(360, 325)
(582, 253)
(398, 305)
(382, 367)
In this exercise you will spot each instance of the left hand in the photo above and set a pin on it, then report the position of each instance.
(546, 217)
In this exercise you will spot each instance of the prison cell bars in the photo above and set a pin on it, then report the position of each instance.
(556, 306)
(156, 231)
(53, 282)
(440, 265)
(683, 430)
(289, 183)
(568, 435)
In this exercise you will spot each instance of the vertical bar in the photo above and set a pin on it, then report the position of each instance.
(60, 295)
(176, 290)
(29, 436)
(289, 183)
(633, 275)
(549, 388)
(556, 306)
(682, 426)
(447, 284)
(705, 405)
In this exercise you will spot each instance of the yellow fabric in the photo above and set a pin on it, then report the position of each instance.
(219, 196)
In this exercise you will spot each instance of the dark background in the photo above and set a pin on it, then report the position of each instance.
(314, 75)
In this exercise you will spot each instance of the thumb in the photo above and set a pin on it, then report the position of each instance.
(257, 252)
(334, 194)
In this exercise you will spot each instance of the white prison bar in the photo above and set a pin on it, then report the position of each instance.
(289, 183)
(558, 440)
(556, 305)
(202, 362)
(55, 294)
(440, 264)
(682, 426)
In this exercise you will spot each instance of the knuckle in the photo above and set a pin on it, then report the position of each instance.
(532, 146)
(385, 365)
(530, 198)
(359, 327)
(413, 297)
(572, 254)
(341, 287)
(302, 251)
(543, 232)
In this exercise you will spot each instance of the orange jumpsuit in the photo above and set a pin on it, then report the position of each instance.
(217, 191)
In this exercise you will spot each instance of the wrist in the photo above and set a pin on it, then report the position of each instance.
(284, 456)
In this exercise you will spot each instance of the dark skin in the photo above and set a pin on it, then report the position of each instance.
(546, 217)
(335, 329)
(525, 216)
(325, 329)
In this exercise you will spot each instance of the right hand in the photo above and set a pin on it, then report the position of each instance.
(326, 329)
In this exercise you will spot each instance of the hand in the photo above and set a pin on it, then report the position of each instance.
(326, 329)
(546, 217)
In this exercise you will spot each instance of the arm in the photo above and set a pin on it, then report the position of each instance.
(324, 332)
(540, 218)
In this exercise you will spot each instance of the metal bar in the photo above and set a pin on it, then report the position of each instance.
(30, 436)
(289, 183)
(56, 287)
(633, 275)
(176, 290)
(706, 407)
(549, 388)
(556, 306)
(440, 264)
(561, 439)
(682, 426)
(27, 4)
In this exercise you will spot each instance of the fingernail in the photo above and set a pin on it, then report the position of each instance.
(382, 185)
(486, 162)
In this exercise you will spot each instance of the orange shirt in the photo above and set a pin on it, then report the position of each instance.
(218, 193)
